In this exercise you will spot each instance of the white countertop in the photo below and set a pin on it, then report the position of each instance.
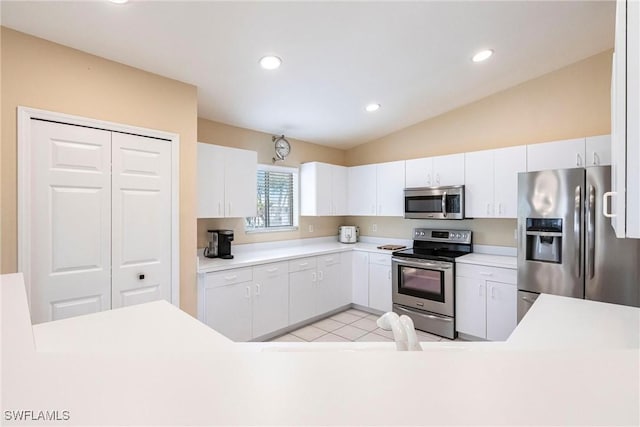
(500, 261)
(534, 378)
(262, 253)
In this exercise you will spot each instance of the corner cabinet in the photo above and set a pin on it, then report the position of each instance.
(226, 183)
(323, 189)
(625, 122)
(486, 301)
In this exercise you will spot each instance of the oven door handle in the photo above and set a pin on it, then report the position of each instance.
(440, 266)
(428, 316)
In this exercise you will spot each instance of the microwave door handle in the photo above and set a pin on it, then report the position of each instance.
(444, 204)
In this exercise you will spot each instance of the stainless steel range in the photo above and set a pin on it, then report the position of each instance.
(424, 279)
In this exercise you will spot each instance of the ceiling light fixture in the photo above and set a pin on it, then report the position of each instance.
(270, 62)
(482, 55)
(372, 107)
(119, 1)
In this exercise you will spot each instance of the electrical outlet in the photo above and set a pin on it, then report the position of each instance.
(374, 227)
(310, 228)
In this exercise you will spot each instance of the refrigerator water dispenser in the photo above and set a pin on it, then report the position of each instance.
(544, 240)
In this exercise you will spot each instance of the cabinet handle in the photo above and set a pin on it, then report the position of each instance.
(230, 208)
(272, 270)
(257, 289)
(389, 274)
(248, 292)
(437, 178)
(320, 275)
(578, 160)
(595, 158)
(428, 179)
(231, 277)
(303, 264)
(219, 208)
(486, 274)
(493, 292)
(488, 208)
(313, 276)
(499, 208)
(605, 204)
(330, 259)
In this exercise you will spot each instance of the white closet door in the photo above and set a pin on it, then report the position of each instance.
(141, 228)
(70, 209)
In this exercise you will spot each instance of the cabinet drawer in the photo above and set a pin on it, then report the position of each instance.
(301, 264)
(379, 259)
(327, 260)
(228, 277)
(270, 270)
(495, 274)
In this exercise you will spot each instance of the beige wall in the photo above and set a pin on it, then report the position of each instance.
(40, 74)
(301, 152)
(568, 103)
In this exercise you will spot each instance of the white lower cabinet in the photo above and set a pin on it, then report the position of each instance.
(246, 303)
(360, 278)
(486, 300)
(380, 282)
(316, 286)
(271, 298)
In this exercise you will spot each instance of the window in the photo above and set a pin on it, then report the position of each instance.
(277, 200)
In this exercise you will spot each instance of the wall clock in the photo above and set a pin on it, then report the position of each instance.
(282, 147)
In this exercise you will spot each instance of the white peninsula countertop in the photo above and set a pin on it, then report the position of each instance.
(528, 380)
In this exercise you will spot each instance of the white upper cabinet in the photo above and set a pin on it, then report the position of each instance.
(227, 183)
(448, 170)
(508, 162)
(390, 189)
(598, 150)
(362, 190)
(323, 189)
(240, 183)
(419, 172)
(491, 182)
(625, 122)
(479, 187)
(565, 154)
(435, 171)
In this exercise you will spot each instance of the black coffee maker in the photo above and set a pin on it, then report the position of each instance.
(219, 245)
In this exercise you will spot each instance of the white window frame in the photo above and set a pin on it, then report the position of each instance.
(296, 199)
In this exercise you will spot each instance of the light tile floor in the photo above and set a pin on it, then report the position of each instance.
(349, 325)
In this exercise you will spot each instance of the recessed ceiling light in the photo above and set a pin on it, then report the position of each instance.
(482, 55)
(270, 62)
(372, 107)
(119, 1)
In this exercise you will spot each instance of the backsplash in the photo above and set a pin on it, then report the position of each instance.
(322, 227)
(494, 232)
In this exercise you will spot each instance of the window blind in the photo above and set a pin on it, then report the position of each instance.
(275, 200)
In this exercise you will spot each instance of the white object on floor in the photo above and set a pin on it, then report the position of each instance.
(410, 331)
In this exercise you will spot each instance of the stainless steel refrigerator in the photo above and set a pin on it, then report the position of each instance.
(566, 246)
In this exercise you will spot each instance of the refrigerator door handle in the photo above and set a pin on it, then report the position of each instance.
(576, 229)
(591, 231)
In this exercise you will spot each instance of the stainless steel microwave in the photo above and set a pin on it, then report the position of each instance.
(445, 202)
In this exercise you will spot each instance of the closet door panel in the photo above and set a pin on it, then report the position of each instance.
(141, 230)
(70, 220)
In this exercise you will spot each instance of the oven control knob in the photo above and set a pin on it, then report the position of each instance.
(422, 233)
